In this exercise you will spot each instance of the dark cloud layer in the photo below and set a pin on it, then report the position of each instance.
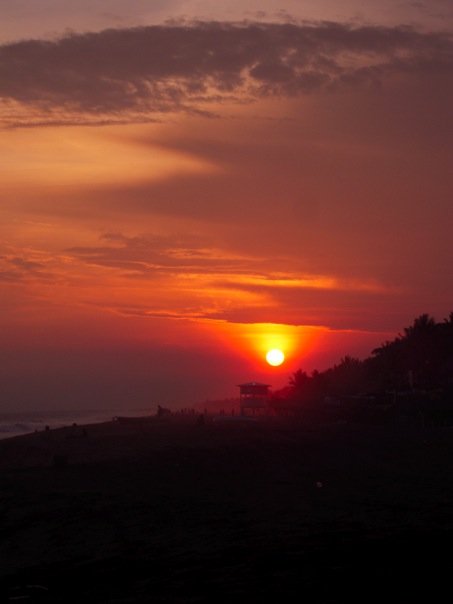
(166, 68)
(17, 269)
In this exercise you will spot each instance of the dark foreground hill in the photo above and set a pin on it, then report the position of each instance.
(173, 511)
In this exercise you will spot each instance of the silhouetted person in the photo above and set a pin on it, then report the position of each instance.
(200, 420)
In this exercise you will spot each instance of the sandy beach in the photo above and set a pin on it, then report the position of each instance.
(173, 511)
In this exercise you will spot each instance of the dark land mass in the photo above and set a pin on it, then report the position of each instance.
(280, 510)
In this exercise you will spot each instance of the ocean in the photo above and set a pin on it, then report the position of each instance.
(25, 422)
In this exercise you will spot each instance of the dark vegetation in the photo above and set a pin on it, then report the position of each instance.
(417, 364)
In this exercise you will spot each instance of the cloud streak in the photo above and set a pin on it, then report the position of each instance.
(132, 73)
(19, 269)
(201, 282)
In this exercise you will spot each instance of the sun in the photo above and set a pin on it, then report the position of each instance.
(275, 357)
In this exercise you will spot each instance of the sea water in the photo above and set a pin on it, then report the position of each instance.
(25, 422)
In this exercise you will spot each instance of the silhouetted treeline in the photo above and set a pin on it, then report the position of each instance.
(421, 358)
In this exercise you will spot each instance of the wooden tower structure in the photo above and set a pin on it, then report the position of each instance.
(254, 398)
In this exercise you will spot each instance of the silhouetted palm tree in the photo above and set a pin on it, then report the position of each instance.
(422, 356)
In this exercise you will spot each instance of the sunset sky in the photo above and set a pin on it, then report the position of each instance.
(186, 184)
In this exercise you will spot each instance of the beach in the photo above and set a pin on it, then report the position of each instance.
(178, 510)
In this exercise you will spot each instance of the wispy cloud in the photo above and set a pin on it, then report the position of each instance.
(170, 254)
(179, 278)
(192, 259)
(15, 268)
(132, 74)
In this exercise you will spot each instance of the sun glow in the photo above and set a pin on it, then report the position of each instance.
(275, 357)
(253, 341)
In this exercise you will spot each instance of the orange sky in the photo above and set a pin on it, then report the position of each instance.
(166, 219)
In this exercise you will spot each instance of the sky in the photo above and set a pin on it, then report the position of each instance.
(187, 184)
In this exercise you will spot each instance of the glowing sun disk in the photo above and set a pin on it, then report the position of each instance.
(275, 357)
